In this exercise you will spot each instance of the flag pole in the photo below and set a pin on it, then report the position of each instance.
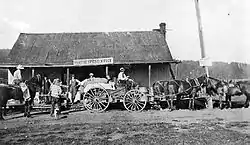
(203, 52)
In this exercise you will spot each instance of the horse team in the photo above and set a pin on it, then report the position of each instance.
(191, 88)
(169, 89)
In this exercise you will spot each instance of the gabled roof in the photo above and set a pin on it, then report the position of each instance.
(4, 55)
(63, 48)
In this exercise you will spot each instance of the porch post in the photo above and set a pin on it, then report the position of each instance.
(67, 79)
(32, 72)
(107, 70)
(171, 71)
(149, 75)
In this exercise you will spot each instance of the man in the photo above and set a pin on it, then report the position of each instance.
(123, 79)
(91, 76)
(18, 75)
(73, 84)
(26, 94)
(55, 92)
(46, 88)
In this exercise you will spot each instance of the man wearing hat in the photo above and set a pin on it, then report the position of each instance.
(123, 79)
(91, 76)
(17, 75)
(122, 76)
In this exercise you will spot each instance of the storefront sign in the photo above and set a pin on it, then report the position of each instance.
(94, 61)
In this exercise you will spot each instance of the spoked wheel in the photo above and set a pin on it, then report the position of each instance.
(134, 100)
(96, 99)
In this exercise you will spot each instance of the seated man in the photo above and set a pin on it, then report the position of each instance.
(124, 80)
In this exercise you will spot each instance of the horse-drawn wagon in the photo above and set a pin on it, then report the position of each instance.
(99, 93)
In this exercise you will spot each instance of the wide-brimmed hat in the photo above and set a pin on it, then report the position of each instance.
(19, 66)
(122, 69)
(91, 74)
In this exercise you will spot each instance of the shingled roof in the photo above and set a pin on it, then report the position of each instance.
(63, 48)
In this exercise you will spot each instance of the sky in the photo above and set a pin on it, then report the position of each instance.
(225, 23)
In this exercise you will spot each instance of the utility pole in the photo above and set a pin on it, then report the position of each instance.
(203, 52)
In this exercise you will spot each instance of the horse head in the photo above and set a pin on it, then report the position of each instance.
(203, 80)
(212, 85)
(35, 83)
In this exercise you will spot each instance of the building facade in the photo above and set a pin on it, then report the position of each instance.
(144, 54)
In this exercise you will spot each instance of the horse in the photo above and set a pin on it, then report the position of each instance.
(8, 92)
(244, 87)
(222, 88)
(33, 85)
(179, 88)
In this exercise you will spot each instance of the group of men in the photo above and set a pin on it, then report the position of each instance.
(54, 88)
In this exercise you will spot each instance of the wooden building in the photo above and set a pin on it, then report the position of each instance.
(144, 54)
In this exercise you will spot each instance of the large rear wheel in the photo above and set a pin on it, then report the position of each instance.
(134, 100)
(96, 99)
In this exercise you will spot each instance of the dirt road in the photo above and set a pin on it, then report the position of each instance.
(121, 127)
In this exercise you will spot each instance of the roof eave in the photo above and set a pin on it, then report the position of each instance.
(12, 65)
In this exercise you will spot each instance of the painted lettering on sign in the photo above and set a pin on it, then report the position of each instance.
(95, 61)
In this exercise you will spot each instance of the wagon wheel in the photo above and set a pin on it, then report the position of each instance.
(96, 99)
(134, 100)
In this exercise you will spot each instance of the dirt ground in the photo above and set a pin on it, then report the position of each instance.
(207, 126)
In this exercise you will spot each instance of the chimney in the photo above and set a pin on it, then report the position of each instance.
(163, 29)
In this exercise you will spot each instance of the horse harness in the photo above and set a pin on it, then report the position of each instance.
(197, 84)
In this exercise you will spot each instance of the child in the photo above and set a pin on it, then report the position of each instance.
(55, 92)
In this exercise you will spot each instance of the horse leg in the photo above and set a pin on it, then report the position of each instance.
(189, 104)
(178, 100)
(28, 108)
(193, 98)
(220, 101)
(168, 102)
(1, 115)
(230, 102)
(171, 104)
(4, 111)
(246, 104)
(25, 109)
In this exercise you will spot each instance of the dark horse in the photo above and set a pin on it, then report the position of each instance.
(222, 88)
(34, 85)
(244, 87)
(180, 88)
(8, 92)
